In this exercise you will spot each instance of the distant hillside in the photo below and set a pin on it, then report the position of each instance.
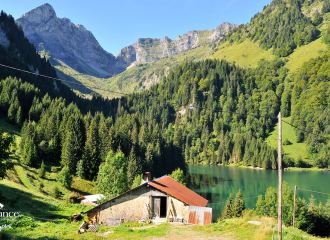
(70, 46)
(290, 30)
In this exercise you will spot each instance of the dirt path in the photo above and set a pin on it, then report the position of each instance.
(186, 232)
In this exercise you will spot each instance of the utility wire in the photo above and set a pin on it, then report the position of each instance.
(153, 99)
(249, 197)
(313, 191)
(299, 128)
(240, 199)
(133, 95)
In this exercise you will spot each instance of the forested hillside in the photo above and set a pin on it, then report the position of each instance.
(61, 128)
(310, 112)
(281, 26)
(209, 111)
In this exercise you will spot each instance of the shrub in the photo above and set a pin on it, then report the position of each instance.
(56, 193)
(42, 170)
(299, 162)
(54, 169)
(318, 162)
(40, 186)
(287, 142)
(65, 178)
(288, 162)
(73, 197)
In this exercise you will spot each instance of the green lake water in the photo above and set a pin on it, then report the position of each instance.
(215, 183)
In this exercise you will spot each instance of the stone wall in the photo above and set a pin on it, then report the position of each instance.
(135, 206)
(177, 209)
(130, 208)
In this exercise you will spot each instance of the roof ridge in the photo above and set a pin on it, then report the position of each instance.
(159, 178)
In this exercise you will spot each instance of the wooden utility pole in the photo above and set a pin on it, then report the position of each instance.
(279, 176)
(294, 205)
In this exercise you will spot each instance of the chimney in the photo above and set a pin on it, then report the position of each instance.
(146, 177)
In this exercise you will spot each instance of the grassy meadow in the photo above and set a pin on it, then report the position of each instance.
(294, 149)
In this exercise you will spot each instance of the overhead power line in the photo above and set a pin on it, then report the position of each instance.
(126, 94)
(313, 191)
(152, 99)
(240, 199)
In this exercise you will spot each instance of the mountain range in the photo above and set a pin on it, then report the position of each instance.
(77, 47)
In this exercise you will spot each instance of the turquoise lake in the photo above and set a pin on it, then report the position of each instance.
(215, 183)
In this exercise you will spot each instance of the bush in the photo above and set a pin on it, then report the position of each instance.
(318, 162)
(288, 162)
(65, 178)
(299, 162)
(54, 169)
(73, 197)
(56, 193)
(42, 170)
(287, 142)
(41, 186)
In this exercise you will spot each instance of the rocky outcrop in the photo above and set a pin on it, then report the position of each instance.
(221, 29)
(77, 47)
(72, 44)
(3, 39)
(149, 50)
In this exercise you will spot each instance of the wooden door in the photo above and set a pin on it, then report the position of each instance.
(156, 207)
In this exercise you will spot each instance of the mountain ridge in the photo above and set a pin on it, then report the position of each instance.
(63, 40)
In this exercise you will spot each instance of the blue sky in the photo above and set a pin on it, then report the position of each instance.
(117, 24)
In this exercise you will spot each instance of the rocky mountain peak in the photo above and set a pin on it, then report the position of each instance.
(77, 47)
(72, 44)
(222, 28)
(45, 12)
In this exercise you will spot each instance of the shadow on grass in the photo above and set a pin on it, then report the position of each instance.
(81, 88)
(16, 200)
(8, 236)
(79, 191)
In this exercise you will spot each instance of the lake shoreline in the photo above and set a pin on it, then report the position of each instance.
(316, 169)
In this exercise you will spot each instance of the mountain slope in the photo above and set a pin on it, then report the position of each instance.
(72, 44)
(250, 43)
(150, 50)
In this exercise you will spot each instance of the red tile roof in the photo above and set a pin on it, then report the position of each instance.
(177, 190)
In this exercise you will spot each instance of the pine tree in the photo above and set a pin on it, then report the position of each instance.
(238, 206)
(80, 171)
(19, 116)
(42, 170)
(68, 153)
(64, 177)
(104, 140)
(12, 112)
(228, 210)
(91, 155)
(29, 156)
(133, 168)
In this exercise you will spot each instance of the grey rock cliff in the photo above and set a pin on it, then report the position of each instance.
(77, 47)
(3, 39)
(72, 44)
(221, 29)
(149, 50)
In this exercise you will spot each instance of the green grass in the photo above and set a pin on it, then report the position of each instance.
(246, 54)
(44, 217)
(304, 53)
(240, 229)
(22, 174)
(141, 76)
(295, 149)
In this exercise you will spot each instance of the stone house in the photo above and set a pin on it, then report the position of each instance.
(162, 198)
